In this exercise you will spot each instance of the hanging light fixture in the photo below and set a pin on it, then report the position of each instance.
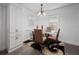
(41, 13)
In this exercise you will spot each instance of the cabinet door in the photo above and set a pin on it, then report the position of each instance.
(12, 26)
(15, 26)
(19, 26)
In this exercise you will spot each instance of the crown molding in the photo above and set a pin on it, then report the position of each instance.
(26, 8)
(21, 6)
(70, 4)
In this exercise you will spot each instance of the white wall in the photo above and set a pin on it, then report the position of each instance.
(3, 23)
(0, 28)
(68, 17)
(45, 20)
(27, 24)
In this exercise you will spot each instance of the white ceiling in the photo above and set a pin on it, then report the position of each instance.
(35, 7)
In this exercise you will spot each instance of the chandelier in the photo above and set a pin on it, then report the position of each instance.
(41, 12)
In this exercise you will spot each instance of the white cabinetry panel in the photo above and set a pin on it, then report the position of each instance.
(15, 26)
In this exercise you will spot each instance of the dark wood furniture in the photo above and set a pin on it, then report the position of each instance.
(52, 43)
(38, 36)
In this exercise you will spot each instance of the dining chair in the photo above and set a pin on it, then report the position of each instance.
(38, 36)
(52, 42)
(54, 37)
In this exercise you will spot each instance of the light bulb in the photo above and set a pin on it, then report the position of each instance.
(44, 14)
(41, 14)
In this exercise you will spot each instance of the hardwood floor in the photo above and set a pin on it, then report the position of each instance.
(3, 52)
(25, 50)
(71, 49)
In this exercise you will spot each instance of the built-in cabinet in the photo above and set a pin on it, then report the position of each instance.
(15, 26)
(19, 26)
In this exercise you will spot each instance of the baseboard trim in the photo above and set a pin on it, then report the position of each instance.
(71, 43)
(3, 52)
(13, 49)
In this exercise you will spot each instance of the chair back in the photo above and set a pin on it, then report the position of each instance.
(57, 34)
(38, 35)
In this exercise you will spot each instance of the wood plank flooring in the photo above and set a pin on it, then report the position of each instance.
(26, 50)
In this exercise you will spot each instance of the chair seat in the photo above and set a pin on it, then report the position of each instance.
(52, 37)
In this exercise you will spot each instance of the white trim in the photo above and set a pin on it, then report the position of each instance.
(60, 7)
(13, 49)
(21, 6)
(72, 43)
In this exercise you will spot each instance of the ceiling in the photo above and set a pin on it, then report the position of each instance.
(35, 7)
